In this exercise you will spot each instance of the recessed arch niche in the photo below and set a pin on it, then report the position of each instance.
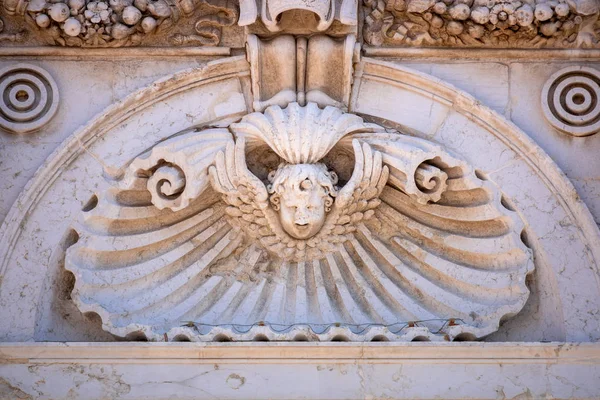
(565, 282)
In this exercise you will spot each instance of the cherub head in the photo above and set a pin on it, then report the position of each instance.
(303, 194)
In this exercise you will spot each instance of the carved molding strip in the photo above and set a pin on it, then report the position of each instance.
(28, 98)
(452, 53)
(110, 53)
(482, 23)
(571, 100)
(302, 353)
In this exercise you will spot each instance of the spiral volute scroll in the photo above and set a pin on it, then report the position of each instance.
(166, 186)
(570, 100)
(28, 98)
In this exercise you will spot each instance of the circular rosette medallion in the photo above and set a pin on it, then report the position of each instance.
(28, 98)
(571, 100)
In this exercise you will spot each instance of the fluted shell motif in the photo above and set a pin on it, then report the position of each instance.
(454, 261)
(299, 134)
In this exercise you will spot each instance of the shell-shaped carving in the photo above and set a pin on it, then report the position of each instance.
(299, 134)
(456, 256)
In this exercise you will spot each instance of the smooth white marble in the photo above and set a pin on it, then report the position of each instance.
(299, 371)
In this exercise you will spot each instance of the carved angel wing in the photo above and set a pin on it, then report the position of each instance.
(414, 235)
(356, 200)
(141, 266)
(245, 194)
(442, 243)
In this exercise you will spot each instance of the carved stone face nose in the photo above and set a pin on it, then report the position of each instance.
(301, 218)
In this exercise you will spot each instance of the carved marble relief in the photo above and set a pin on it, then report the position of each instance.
(396, 23)
(317, 16)
(298, 69)
(489, 23)
(28, 98)
(292, 221)
(116, 23)
(570, 100)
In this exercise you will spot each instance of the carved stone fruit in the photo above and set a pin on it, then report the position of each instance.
(440, 7)
(481, 15)
(508, 8)
(419, 6)
(562, 9)
(131, 15)
(543, 12)
(437, 22)
(42, 20)
(159, 9)
(141, 5)
(524, 15)
(59, 12)
(585, 7)
(120, 31)
(476, 31)
(72, 27)
(549, 28)
(117, 5)
(468, 3)
(36, 5)
(460, 12)
(148, 24)
(493, 19)
(76, 5)
(454, 28)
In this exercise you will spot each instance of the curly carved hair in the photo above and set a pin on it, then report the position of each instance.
(291, 177)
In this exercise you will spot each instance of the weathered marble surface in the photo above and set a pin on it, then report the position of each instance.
(513, 89)
(559, 229)
(22, 155)
(297, 371)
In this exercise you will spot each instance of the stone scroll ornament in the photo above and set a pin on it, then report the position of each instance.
(300, 222)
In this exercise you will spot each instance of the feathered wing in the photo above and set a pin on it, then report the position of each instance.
(413, 235)
(446, 245)
(357, 200)
(148, 269)
(245, 194)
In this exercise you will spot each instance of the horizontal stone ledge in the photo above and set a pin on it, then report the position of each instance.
(280, 352)
(122, 52)
(456, 54)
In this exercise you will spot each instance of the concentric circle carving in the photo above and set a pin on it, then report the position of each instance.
(570, 100)
(28, 98)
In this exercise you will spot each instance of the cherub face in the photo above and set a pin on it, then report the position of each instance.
(303, 194)
(302, 210)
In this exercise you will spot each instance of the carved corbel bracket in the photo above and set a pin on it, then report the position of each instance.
(287, 69)
(298, 16)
